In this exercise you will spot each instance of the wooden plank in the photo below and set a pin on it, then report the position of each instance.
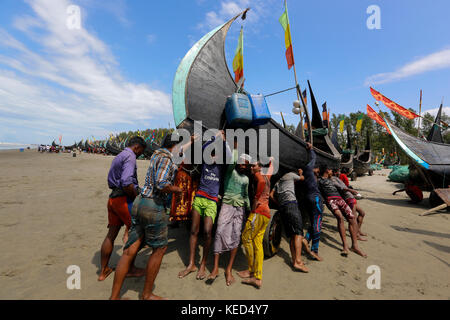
(444, 194)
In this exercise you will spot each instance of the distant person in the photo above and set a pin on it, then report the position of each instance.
(255, 227)
(235, 203)
(205, 207)
(314, 202)
(340, 209)
(150, 221)
(123, 182)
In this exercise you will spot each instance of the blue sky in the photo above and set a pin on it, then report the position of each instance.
(116, 72)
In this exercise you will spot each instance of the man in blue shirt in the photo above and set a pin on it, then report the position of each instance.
(122, 180)
(205, 206)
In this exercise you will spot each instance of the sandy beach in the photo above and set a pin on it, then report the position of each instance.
(53, 215)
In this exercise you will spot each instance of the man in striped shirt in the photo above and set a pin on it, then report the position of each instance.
(150, 219)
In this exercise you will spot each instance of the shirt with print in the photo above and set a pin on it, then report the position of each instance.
(123, 171)
(328, 189)
(285, 188)
(236, 186)
(210, 178)
(341, 185)
(160, 174)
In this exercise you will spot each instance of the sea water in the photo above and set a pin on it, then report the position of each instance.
(14, 146)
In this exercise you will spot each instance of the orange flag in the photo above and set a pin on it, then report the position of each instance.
(375, 116)
(393, 106)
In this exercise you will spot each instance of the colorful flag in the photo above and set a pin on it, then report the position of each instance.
(238, 61)
(394, 106)
(284, 21)
(378, 96)
(305, 97)
(341, 124)
(325, 115)
(375, 116)
(359, 122)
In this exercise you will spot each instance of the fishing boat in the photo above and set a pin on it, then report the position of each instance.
(431, 158)
(201, 87)
(347, 154)
(362, 159)
(112, 148)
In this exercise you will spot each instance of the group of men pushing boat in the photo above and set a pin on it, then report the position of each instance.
(243, 217)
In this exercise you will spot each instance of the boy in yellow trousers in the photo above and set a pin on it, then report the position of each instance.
(255, 227)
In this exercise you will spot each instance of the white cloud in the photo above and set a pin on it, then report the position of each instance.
(434, 61)
(69, 80)
(434, 112)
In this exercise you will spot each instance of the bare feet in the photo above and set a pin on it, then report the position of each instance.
(152, 297)
(316, 256)
(253, 282)
(105, 273)
(362, 233)
(360, 238)
(201, 274)
(186, 271)
(213, 275)
(358, 251)
(244, 274)
(229, 278)
(135, 273)
(300, 267)
(344, 253)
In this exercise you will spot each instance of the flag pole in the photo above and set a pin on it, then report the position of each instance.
(299, 92)
(420, 114)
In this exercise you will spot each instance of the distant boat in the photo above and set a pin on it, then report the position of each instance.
(362, 159)
(347, 154)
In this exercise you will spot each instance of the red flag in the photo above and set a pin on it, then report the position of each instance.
(378, 96)
(393, 106)
(375, 116)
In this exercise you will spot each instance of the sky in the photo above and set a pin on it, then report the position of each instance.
(115, 72)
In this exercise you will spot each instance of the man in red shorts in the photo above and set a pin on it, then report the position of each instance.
(348, 195)
(122, 180)
(340, 209)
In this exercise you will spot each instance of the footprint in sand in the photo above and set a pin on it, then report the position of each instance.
(10, 273)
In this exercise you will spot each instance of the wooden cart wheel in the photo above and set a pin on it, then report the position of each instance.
(272, 236)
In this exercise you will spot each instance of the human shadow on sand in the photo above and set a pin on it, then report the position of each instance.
(423, 232)
(181, 235)
(437, 246)
(399, 202)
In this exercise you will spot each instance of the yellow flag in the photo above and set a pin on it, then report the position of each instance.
(238, 61)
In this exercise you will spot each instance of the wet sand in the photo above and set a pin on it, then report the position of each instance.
(53, 215)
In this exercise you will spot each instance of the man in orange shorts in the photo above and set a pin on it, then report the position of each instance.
(122, 180)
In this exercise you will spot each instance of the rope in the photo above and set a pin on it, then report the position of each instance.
(272, 94)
